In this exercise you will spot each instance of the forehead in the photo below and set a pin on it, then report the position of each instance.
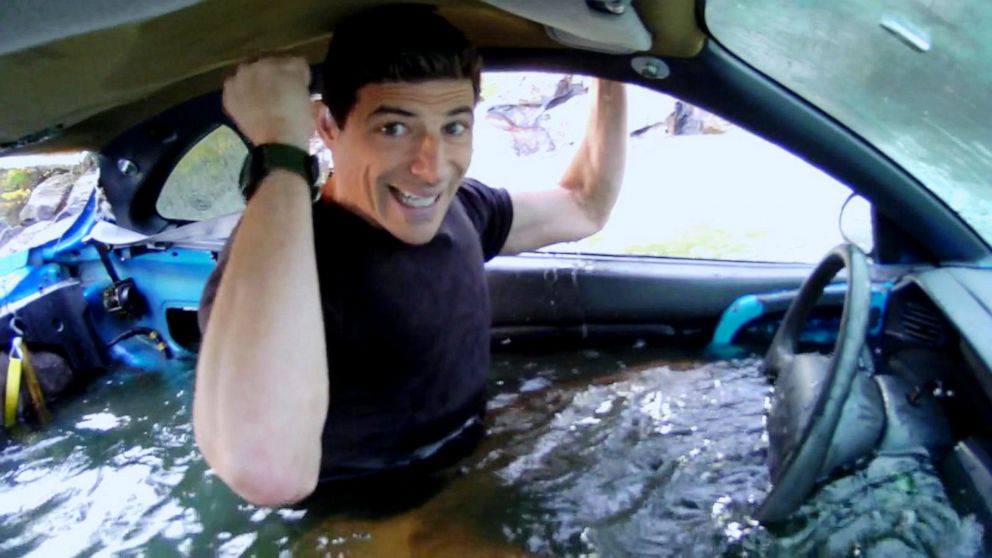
(421, 97)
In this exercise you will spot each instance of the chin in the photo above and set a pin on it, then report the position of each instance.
(411, 228)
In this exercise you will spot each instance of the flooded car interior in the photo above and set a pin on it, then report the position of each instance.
(885, 354)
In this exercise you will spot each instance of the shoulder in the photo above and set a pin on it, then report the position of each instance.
(491, 213)
(473, 190)
(481, 202)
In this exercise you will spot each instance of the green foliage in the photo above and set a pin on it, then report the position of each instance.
(15, 179)
(16, 186)
(702, 241)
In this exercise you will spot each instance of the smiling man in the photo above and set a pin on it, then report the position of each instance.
(348, 337)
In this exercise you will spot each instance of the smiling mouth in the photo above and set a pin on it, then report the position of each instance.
(413, 201)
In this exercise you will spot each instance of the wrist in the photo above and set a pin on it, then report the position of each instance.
(281, 131)
(266, 158)
(296, 140)
(280, 182)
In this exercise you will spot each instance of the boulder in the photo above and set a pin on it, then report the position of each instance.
(80, 194)
(47, 199)
(685, 120)
(54, 375)
(527, 118)
(8, 234)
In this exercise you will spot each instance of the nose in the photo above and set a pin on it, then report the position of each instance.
(428, 161)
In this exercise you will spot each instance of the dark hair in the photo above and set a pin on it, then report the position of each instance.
(393, 43)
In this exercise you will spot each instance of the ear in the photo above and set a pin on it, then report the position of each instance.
(326, 127)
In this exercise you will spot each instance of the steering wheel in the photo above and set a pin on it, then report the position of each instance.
(811, 390)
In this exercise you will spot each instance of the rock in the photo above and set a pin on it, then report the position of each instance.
(527, 118)
(40, 215)
(25, 237)
(54, 375)
(75, 202)
(47, 198)
(685, 120)
(526, 126)
(9, 234)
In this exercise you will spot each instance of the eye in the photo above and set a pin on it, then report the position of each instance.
(455, 128)
(394, 129)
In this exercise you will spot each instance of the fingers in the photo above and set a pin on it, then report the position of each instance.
(269, 100)
(292, 67)
(293, 70)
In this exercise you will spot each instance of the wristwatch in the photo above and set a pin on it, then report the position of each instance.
(263, 159)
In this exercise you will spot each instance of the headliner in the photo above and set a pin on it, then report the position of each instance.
(74, 78)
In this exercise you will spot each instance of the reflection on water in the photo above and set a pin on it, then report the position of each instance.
(614, 453)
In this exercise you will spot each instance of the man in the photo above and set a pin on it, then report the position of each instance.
(390, 367)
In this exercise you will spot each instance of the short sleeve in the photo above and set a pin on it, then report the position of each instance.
(491, 211)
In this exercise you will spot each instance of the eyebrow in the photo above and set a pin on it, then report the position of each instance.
(386, 109)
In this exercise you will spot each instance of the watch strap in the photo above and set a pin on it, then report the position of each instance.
(263, 159)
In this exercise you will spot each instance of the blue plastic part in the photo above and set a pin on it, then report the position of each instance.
(879, 301)
(749, 308)
(168, 279)
(13, 262)
(28, 271)
(741, 312)
(172, 278)
(9, 284)
(73, 237)
(29, 280)
(138, 353)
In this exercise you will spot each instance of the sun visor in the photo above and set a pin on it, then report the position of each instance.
(615, 28)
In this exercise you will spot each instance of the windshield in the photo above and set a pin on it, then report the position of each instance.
(912, 77)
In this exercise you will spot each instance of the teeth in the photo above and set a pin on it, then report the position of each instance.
(415, 201)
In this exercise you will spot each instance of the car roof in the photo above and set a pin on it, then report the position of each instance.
(76, 77)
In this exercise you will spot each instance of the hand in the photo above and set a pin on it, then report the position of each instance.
(269, 100)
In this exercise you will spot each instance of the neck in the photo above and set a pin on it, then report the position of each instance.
(332, 192)
(329, 192)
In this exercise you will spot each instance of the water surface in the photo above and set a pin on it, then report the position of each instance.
(633, 452)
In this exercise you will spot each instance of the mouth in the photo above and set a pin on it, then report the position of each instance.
(413, 201)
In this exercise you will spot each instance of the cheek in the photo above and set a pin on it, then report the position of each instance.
(364, 158)
(461, 154)
(391, 153)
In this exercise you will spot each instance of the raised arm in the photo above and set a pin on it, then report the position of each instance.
(261, 380)
(589, 187)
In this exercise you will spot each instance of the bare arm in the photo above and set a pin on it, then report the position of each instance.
(589, 187)
(261, 383)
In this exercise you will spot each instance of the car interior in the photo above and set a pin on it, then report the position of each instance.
(903, 358)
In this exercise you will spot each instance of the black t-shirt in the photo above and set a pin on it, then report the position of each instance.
(407, 328)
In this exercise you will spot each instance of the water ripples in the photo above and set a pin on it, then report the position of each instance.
(637, 452)
(660, 461)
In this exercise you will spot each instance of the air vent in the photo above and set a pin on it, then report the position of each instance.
(923, 324)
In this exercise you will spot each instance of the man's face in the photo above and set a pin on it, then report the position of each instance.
(402, 154)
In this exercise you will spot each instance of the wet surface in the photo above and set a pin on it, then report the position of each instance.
(655, 459)
(634, 452)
